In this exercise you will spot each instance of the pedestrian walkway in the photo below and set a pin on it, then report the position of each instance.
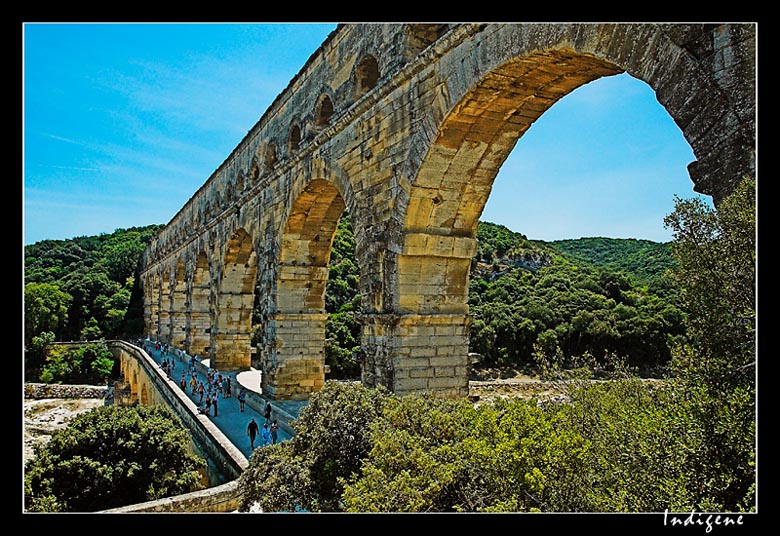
(229, 418)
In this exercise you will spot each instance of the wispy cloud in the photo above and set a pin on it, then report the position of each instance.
(60, 138)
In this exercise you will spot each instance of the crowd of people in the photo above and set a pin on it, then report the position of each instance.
(212, 388)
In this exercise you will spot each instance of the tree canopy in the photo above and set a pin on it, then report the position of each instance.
(110, 457)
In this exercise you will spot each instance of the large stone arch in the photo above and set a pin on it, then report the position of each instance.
(294, 367)
(474, 120)
(232, 332)
(413, 157)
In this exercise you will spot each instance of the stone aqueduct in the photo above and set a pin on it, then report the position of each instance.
(405, 126)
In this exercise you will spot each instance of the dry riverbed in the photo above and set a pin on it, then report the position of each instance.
(45, 416)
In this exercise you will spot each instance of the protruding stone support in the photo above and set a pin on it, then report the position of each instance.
(413, 353)
(164, 326)
(433, 273)
(198, 337)
(233, 351)
(303, 288)
(294, 366)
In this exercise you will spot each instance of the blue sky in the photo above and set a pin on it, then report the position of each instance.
(124, 122)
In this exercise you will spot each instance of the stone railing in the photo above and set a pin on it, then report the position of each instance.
(224, 498)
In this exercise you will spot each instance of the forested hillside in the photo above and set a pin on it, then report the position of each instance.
(532, 302)
(81, 288)
(642, 260)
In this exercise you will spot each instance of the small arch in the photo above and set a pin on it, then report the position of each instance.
(270, 155)
(420, 36)
(294, 141)
(324, 112)
(366, 75)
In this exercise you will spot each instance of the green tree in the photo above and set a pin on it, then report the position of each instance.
(45, 309)
(109, 457)
(437, 455)
(35, 354)
(98, 273)
(716, 252)
(331, 439)
(90, 364)
(716, 271)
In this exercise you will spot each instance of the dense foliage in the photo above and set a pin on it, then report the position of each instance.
(342, 302)
(88, 364)
(308, 471)
(110, 457)
(536, 297)
(683, 443)
(81, 289)
(643, 261)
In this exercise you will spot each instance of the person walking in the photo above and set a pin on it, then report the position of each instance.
(267, 413)
(251, 431)
(266, 435)
(242, 399)
(214, 404)
(274, 432)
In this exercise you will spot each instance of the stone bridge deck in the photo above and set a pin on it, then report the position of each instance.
(229, 419)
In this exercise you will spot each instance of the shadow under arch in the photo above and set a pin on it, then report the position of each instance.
(294, 365)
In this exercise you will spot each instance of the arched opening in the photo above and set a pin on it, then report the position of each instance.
(295, 139)
(592, 180)
(366, 75)
(441, 225)
(605, 159)
(270, 155)
(342, 303)
(294, 365)
(324, 112)
(231, 337)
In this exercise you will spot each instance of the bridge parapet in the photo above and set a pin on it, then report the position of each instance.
(150, 385)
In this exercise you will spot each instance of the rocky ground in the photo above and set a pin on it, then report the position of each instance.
(43, 417)
(489, 384)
